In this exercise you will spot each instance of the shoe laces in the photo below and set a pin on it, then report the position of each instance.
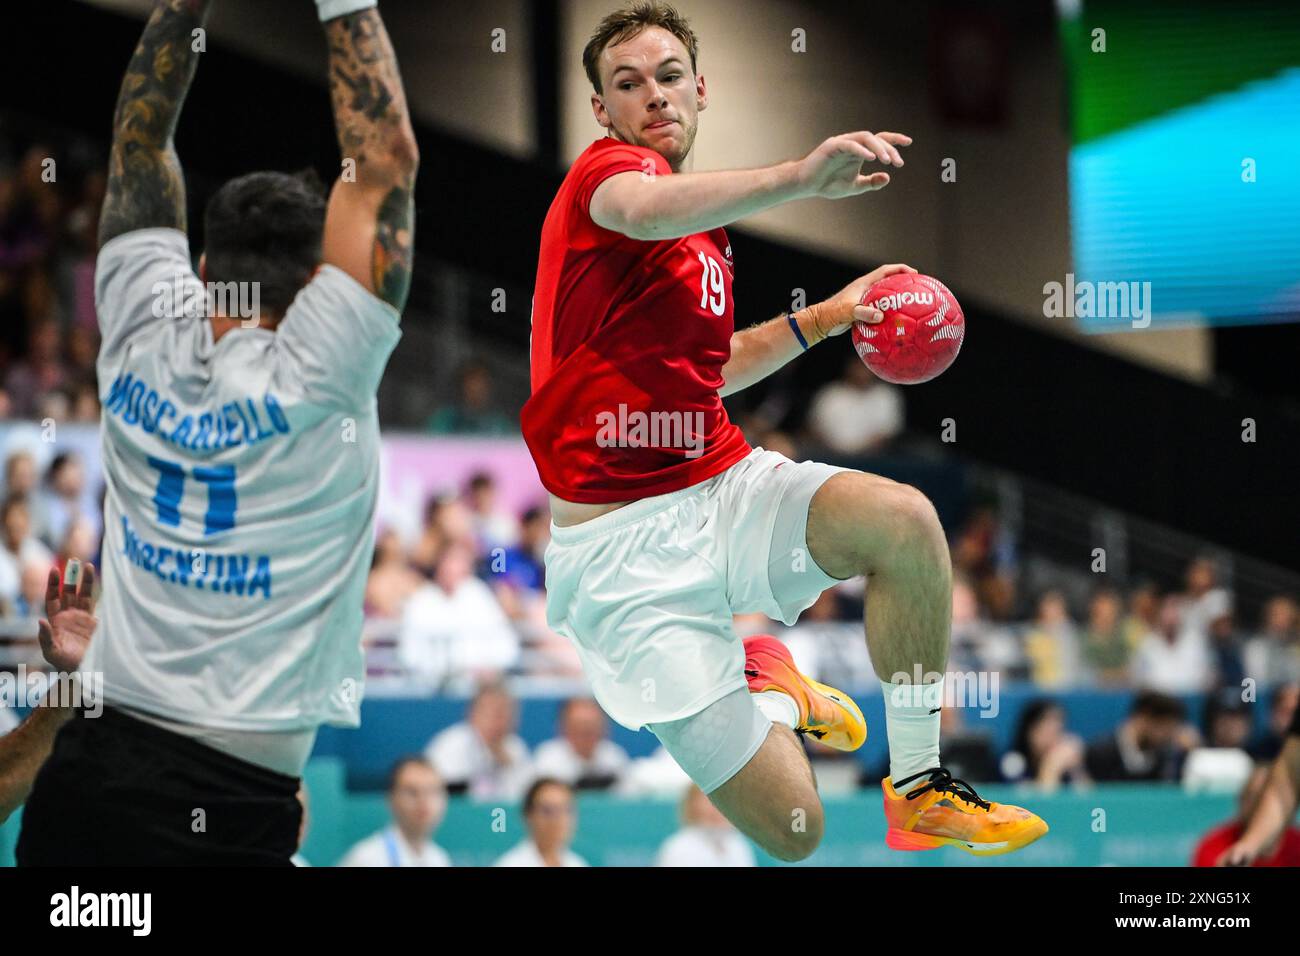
(941, 781)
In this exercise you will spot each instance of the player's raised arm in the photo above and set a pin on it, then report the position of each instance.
(145, 186)
(667, 207)
(370, 221)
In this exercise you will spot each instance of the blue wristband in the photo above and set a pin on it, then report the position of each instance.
(798, 333)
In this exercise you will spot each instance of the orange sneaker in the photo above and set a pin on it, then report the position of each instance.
(942, 811)
(824, 712)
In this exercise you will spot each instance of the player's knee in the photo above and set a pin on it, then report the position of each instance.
(916, 523)
(796, 837)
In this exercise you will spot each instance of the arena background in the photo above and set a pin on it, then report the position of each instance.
(1049, 439)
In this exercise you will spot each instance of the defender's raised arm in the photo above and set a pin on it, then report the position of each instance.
(145, 185)
(370, 223)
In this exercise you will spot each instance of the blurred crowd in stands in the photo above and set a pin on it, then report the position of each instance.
(49, 216)
(417, 801)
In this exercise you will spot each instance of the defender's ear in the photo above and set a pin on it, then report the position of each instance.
(203, 267)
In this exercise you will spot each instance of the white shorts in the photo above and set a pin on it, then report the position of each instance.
(647, 592)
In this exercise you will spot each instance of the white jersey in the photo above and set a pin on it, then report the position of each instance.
(241, 480)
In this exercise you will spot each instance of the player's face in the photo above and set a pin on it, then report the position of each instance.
(650, 96)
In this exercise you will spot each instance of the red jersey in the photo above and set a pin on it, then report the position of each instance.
(1220, 838)
(628, 344)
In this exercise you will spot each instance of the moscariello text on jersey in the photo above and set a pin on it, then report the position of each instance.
(235, 423)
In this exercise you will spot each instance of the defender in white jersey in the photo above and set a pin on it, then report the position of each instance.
(241, 458)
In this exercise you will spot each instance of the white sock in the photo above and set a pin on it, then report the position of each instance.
(912, 729)
(778, 707)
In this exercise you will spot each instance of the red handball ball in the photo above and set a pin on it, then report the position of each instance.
(921, 333)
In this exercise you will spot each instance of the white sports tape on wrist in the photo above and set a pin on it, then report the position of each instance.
(331, 9)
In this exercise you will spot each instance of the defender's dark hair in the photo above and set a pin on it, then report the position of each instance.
(626, 23)
(266, 228)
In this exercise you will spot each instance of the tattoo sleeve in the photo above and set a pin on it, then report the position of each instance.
(374, 132)
(145, 185)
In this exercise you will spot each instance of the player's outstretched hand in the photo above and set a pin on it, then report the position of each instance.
(834, 169)
(70, 620)
(838, 313)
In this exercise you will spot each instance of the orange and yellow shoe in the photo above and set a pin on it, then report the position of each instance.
(940, 811)
(825, 713)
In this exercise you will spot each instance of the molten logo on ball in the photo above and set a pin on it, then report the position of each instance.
(920, 335)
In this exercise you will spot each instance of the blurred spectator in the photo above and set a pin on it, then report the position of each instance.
(417, 802)
(1143, 613)
(18, 550)
(984, 551)
(473, 413)
(1285, 851)
(85, 402)
(1203, 600)
(582, 755)
(482, 755)
(493, 528)
(1272, 656)
(1150, 744)
(1227, 721)
(522, 567)
(1175, 658)
(706, 837)
(858, 414)
(31, 595)
(21, 475)
(1105, 645)
(61, 497)
(1044, 753)
(1226, 647)
(392, 580)
(1280, 714)
(446, 521)
(1051, 644)
(977, 644)
(453, 629)
(40, 373)
(551, 817)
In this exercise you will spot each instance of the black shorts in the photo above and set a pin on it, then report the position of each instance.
(117, 791)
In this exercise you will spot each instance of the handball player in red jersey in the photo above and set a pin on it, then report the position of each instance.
(666, 522)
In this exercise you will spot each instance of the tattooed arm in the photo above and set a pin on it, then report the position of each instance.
(145, 184)
(370, 222)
